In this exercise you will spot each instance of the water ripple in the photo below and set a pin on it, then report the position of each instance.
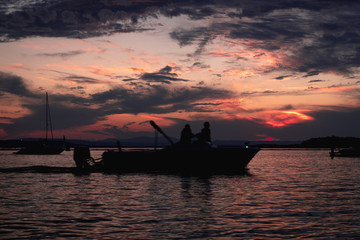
(288, 194)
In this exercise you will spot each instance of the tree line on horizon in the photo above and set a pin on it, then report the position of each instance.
(318, 142)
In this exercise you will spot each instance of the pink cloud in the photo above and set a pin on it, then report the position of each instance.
(266, 138)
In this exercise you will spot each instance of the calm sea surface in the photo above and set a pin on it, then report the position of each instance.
(287, 194)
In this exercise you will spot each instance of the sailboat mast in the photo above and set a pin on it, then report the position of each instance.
(48, 119)
(51, 129)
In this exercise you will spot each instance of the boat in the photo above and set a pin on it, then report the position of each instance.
(174, 159)
(345, 152)
(41, 148)
(45, 146)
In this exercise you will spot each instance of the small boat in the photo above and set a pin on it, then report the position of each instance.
(40, 148)
(45, 146)
(345, 152)
(219, 160)
(190, 160)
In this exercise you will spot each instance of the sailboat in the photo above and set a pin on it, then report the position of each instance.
(44, 146)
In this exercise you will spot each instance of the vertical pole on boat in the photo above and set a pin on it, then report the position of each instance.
(118, 145)
(47, 117)
(51, 129)
(155, 142)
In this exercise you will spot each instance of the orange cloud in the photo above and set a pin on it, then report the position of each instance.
(46, 79)
(234, 110)
(266, 138)
(238, 72)
(333, 89)
(18, 66)
(285, 118)
(135, 69)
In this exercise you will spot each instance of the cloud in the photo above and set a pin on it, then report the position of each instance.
(316, 81)
(338, 122)
(84, 19)
(13, 84)
(200, 65)
(312, 73)
(64, 55)
(70, 111)
(164, 75)
(61, 18)
(155, 99)
(83, 80)
(282, 77)
(63, 116)
(310, 36)
(161, 99)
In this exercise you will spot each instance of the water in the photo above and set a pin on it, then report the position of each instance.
(287, 194)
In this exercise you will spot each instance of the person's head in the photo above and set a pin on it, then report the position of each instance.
(206, 124)
(187, 126)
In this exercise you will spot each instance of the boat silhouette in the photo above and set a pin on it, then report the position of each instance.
(44, 146)
(174, 159)
(345, 152)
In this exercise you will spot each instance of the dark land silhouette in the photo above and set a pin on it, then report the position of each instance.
(331, 142)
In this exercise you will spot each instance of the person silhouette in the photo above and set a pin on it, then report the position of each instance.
(186, 135)
(205, 134)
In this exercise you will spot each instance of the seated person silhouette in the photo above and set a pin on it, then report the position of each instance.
(204, 137)
(186, 135)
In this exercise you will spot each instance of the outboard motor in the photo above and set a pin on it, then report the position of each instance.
(83, 158)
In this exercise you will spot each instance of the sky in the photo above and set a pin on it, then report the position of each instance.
(255, 69)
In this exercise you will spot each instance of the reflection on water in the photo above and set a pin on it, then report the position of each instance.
(287, 194)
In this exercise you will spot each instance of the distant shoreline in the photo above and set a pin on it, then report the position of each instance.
(148, 142)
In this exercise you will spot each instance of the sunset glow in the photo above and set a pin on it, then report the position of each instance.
(257, 71)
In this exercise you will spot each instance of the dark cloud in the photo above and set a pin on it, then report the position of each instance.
(72, 19)
(201, 65)
(287, 107)
(200, 36)
(282, 77)
(322, 35)
(13, 84)
(156, 99)
(316, 81)
(74, 111)
(164, 75)
(312, 73)
(266, 92)
(64, 55)
(83, 80)
(89, 18)
(195, 13)
(64, 116)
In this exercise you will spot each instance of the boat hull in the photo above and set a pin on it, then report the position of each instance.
(347, 152)
(180, 161)
(40, 150)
